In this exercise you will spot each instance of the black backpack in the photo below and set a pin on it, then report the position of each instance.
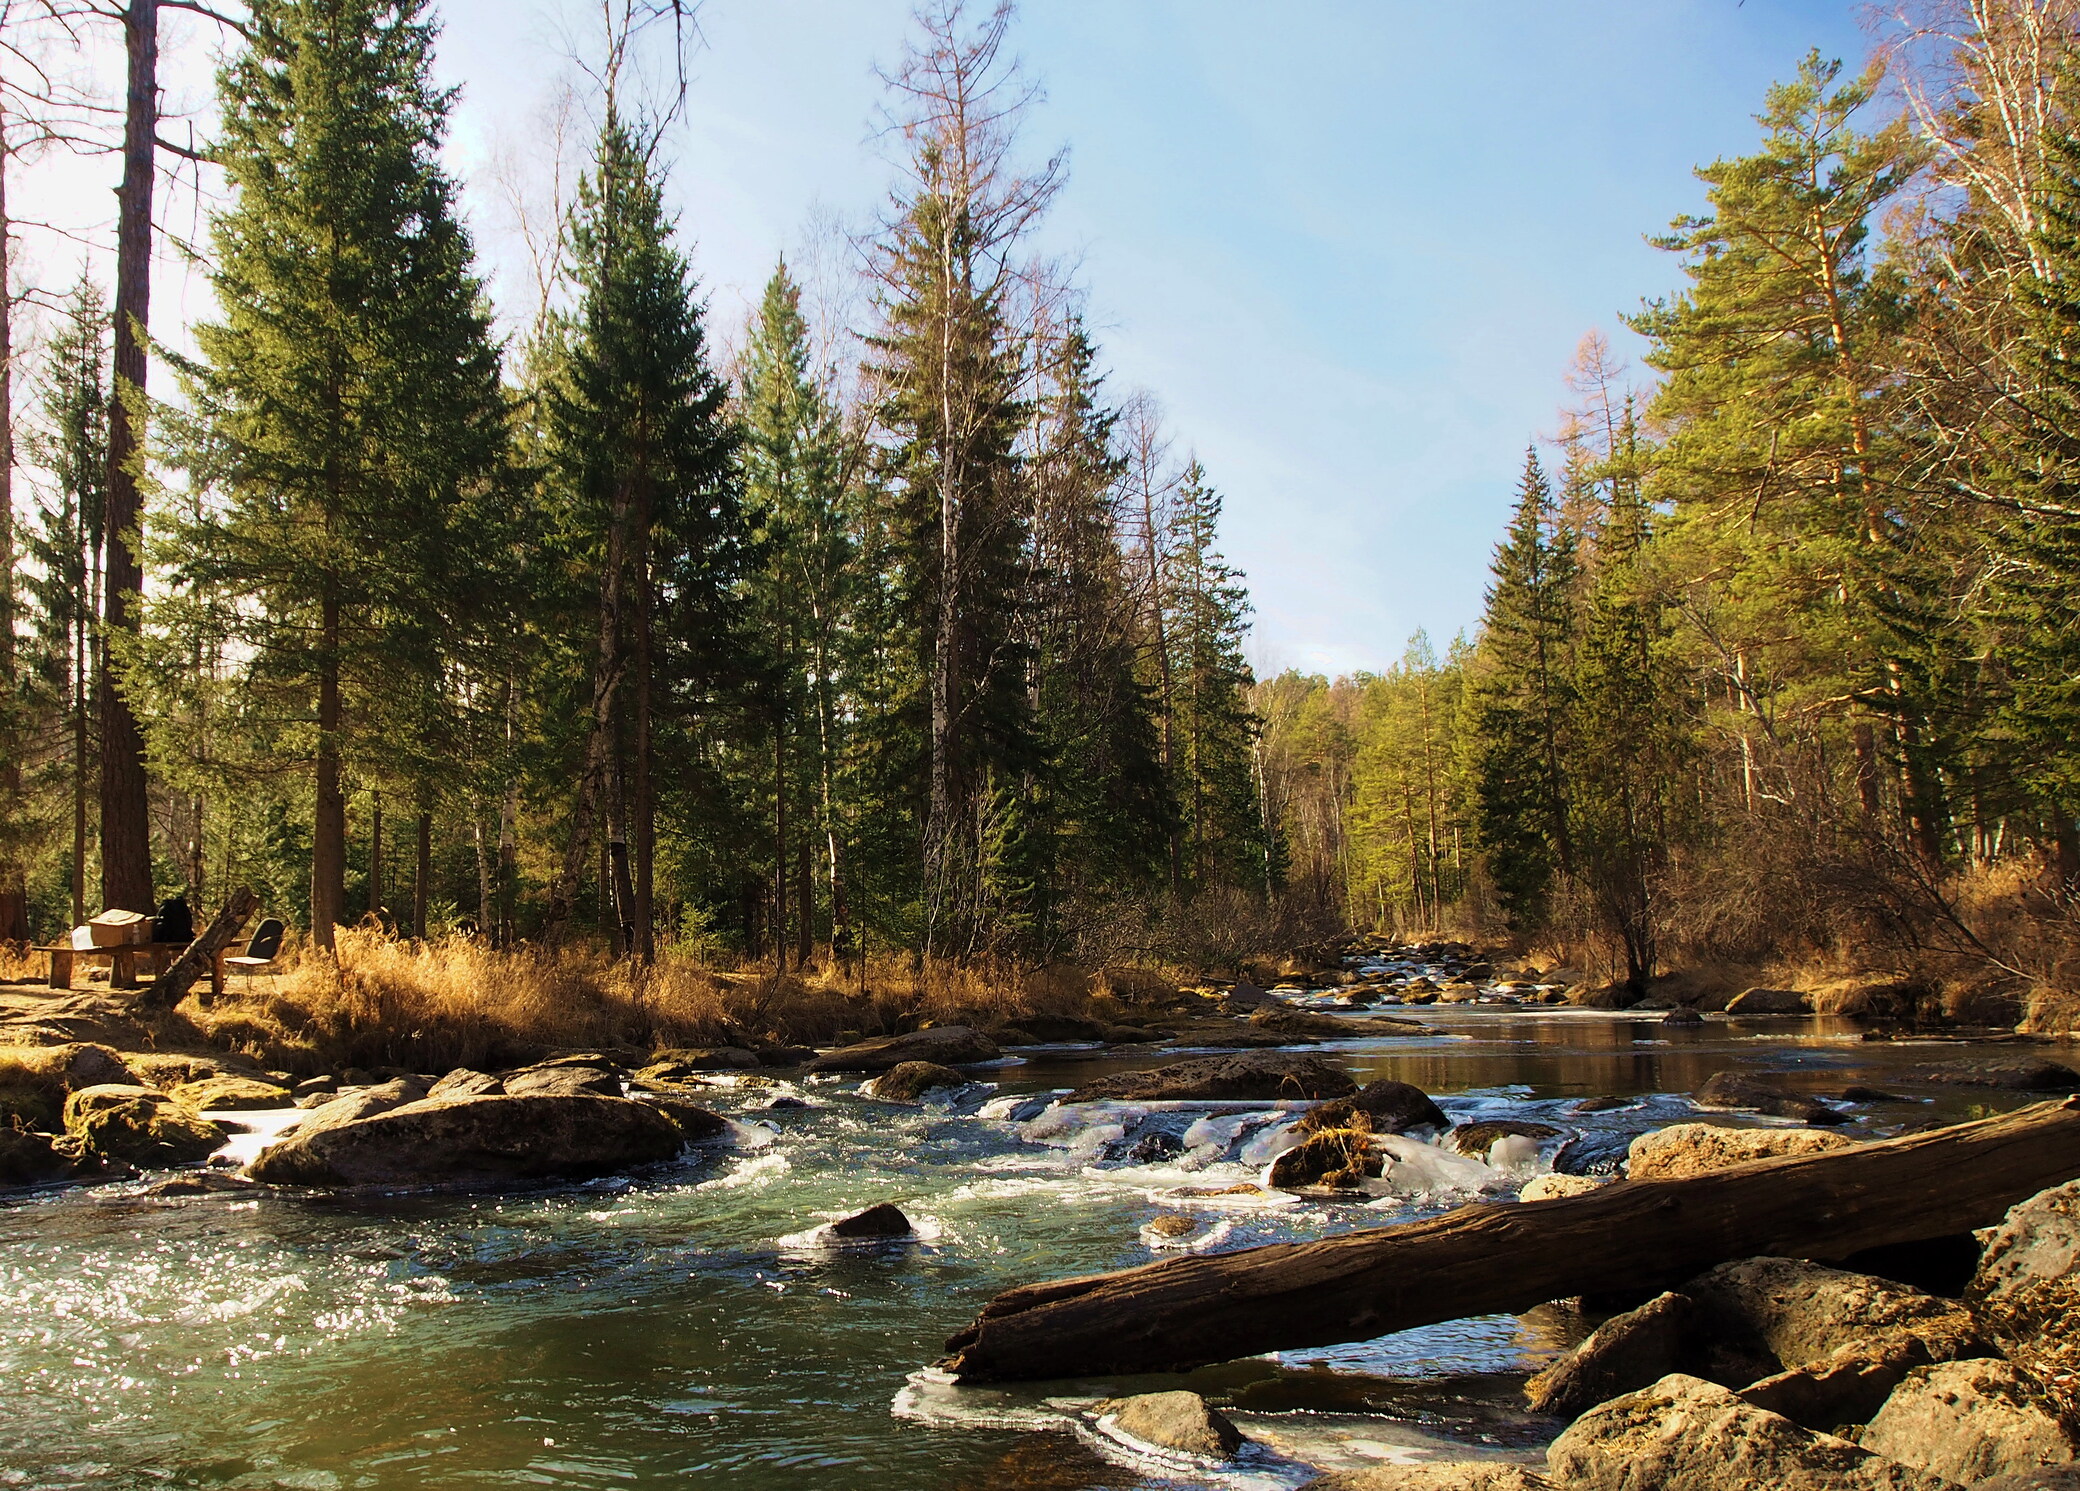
(174, 923)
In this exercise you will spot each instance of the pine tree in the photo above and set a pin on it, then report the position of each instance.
(646, 461)
(795, 498)
(1214, 778)
(352, 384)
(1523, 700)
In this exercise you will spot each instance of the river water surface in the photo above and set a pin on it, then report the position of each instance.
(686, 1327)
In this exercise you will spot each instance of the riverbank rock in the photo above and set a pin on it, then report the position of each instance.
(2027, 1288)
(1260, 1076)
(1178, 1421)
(672, 1064)
(1057, 1030)
(911, 1080)
(947, 1045)
(1733, 1090)
(1389, 1107)
(1685, 1149)
(1462, 1475)
(1686, 1434)
(1624, 1354)
(1556, 1187)
(1282, 1019)
(2029, 1075)
(464, 1083)
(139, 1125)
(884, 1219)
(472, 1140)
(1769, 1002)
(363, 1102)
(1802, 1313)
(29, 1159)
(1971, 1421)
(226, 1091)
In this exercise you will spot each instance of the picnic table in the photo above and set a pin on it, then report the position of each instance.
(122, 962)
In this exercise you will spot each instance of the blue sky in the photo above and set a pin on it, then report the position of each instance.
(1349, 244)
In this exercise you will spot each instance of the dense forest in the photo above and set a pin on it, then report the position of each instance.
(918, 634)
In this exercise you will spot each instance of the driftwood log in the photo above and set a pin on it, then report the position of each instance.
(172, 986)
(1505, 1258)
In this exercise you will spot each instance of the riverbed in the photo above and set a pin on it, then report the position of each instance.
(689, 1326)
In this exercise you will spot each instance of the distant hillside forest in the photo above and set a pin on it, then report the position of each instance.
(906, 630)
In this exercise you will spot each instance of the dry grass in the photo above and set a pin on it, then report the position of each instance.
(430, 1007)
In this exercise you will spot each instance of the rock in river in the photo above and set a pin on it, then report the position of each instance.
(1171, 1421)
(1685, 1149)
(1732, 1090)
(561, 1080)
(473, 1140)
(1686, 1434)
(1801, 1313)
(1624, 1354)
(948, 1045)
(1389, 1107)
(1769, 1002)
(910, 1080)
(2016, 1076)
(1249, 1076)
(884, 1219)
(1970, 1421)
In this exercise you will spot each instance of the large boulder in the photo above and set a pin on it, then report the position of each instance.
(1171, 1421)
(2027, 1287)
(227, 1091)
(474, 1140)
(694, 1122)
(948, 1045)
(1686, 1434)
(1685, 1149)
(139, 1125)
(28, 1159)
(1624, 1354)
(363, 1102)
(1791, 1313)
(883, 1219)
(1337, 1158)
(1733, 1090)
(1769, 1002)
(1971, 1421)
(1457, 1475)
(1388, 1107)
(911, 1080)
(561, 1080)
(1260, 1076)
(464, 1082)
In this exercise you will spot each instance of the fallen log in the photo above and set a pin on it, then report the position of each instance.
(1505, 1258)
(171, 987)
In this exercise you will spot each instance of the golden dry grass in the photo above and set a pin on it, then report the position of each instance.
(385, 1003)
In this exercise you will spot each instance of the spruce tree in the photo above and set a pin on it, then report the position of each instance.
(1523, 699)
(643, 464)
(352, 384)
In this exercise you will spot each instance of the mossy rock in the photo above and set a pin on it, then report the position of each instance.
(227, 1091)
(139, 1125)
(28, 1159)
(29, 1105)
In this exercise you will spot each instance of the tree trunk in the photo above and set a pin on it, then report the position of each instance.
(1865, 741)
(14, 900)
(644, 909)
(779, 844)
(804, 903)
(375, 855)
(329, 815)
(126, 836)
(422, 873)
(170, 987)
(1644, 1234)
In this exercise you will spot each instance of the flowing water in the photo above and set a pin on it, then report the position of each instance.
(689, 1327)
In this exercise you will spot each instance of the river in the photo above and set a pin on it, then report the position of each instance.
(687, 1328)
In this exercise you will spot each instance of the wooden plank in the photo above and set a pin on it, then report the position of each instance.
(1505, 1258)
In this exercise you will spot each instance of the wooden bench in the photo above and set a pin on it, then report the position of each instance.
(122, 961)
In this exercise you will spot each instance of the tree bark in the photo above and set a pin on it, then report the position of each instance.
(375, 855)
(422, 874)
(126, 840)
(644, 909)
(329, 811)
(779, 843)
(172, 986)
(1643, 1234)
(14, 900)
